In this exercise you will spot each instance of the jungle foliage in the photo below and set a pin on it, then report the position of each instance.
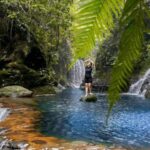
(38, 25)
(94, 21)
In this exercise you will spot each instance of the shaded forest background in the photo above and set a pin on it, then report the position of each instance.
(35, 45)
(33, 42)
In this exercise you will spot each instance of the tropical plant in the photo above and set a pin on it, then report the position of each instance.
(95, 19)
(90, 23)
(43, 23)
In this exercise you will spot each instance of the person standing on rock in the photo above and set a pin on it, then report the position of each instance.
(89, 66)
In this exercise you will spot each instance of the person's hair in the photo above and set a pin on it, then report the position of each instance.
(89, 63)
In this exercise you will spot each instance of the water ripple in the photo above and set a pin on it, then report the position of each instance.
(63, 115)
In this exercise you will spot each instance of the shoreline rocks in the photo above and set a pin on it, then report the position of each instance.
(147, 93)
(7, 144)
(15, 91)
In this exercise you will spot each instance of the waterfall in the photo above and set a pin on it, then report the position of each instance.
(76, 75)
(141, 85)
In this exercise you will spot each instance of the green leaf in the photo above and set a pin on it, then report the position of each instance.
(90, 24)
(132, 24)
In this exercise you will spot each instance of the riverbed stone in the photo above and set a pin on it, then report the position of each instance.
(147, 93)
(15, 91)
(89, 98)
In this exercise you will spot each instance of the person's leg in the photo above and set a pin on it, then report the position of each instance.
(90, 88)
(86, 89)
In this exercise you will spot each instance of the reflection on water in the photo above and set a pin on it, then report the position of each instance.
(63, 115)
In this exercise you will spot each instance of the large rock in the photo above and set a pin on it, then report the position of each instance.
(89, 98)
(15, 91)
(147, 93)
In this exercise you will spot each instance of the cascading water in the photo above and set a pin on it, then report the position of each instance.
(77, 74)
(141, 85)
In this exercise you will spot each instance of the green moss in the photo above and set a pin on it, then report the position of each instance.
(16, 90)
(89, 98)
(44, 90)
(4, 72)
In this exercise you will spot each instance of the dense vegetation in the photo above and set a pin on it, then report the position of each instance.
(94, 21)
(107, 55)
(33, 36)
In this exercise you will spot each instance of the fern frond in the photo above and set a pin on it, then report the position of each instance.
(93, 20)
(132, 24)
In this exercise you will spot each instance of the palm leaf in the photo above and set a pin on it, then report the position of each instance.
(132, 24)
(93, 21)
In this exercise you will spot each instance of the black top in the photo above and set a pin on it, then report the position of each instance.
(88, 71)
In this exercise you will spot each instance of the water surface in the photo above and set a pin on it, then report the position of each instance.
(64, 116)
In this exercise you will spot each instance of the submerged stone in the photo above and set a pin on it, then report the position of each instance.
(89, 98)
(15, 91)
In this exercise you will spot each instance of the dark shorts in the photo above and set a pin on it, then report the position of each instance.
(88, 80)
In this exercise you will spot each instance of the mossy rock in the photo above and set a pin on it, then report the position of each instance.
(89, 98)
(147, 93)
(44, 90)
(15, 91)
(22, 75)
(4, 72)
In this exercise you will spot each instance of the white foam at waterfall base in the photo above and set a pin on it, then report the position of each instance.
(136, 88)
(77, 74)
(4, 112)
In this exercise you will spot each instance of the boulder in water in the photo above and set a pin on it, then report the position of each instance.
(15, 91)
(147, 93)
(89, 98)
